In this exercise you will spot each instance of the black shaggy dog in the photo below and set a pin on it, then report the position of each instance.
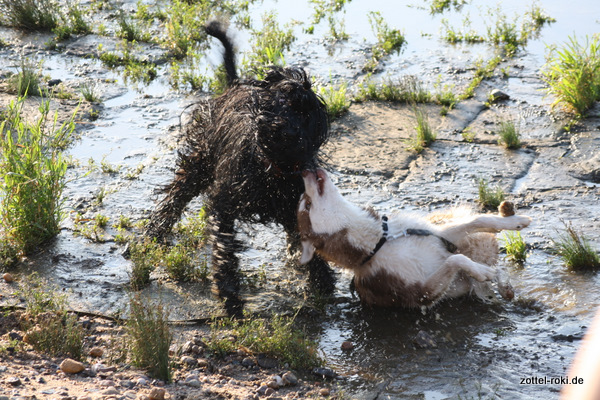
(245, 151)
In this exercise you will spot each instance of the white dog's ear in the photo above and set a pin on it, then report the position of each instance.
(308, 251)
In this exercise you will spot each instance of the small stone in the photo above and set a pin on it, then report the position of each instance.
(13, 381)
(325, 392)
(187, 347)
(423, 340)
(69, 366)
(189, 361)
(15, 336)
(96, 352)
(193, 383)
(8, 278)
(111, 391)
(498, 95)
(267, 362)
(324, 373)
(273, 384)
(248, 362)
(289, 379)
(157, 394)
(130, 394)
(347, 345)
(202, 363)
(506, 209)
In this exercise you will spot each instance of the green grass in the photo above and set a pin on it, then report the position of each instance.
(441, 6)
(482, 71)
(388, 40)
(145, 256)
(31, 15)
(516, 249)
(89, 94)
(424, 134)
(131, 29)
(27, 80)
(149, 337)
(49, 327)
(268, 45)
(407, 89)
(490, 198)
(575, 250)
(32, 172)
(572, 74)
(509, 135)
(276, 337)
(336, 99)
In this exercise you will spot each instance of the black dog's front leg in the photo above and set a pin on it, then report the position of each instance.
(321, 277)
(225, 262)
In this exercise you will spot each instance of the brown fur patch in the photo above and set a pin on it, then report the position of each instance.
(383, 289)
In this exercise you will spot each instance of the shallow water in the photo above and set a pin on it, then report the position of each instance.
(482, 350)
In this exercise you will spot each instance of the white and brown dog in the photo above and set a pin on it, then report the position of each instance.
(406, 261)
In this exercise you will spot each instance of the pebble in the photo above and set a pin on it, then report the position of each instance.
(267, 362)
(498, 95)
(189, 361)
(130, 394)
(69, 366)
(193, 383)
(157, 394)
(423, 340)
(347, 345)
(13, 381)
(110, 392)
(202, 363)
(325, 373)
(289, 379)
(248, 362)
(325, 392)
(96, 352)
(8, 278)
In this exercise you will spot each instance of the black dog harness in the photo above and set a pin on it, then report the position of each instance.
(451, 247)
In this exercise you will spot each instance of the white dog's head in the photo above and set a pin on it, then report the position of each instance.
(324, 217)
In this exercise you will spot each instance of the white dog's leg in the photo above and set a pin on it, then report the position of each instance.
(437, 284)
(484, 223)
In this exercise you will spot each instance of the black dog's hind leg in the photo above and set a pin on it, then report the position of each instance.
(190, 180)
(225, 262)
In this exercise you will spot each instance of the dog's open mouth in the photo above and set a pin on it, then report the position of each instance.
(319, 176)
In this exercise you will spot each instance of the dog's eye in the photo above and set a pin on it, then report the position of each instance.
(307, 205)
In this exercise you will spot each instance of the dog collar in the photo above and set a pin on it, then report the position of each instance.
(381, 242)
(451, 247)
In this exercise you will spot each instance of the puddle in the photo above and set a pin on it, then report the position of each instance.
(483, 350)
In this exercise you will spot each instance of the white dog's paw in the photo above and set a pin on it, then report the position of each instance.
(482, 272)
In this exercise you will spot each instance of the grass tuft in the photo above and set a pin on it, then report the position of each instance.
(388, 40)
(573, 74)
(149, 337)
(516, 249)
(32, 172)
(425, 135)
(276, 337)
(336, 99)
(575, 250)
(488, 197)
(509, 135)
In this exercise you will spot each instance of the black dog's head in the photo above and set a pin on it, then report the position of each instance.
(291, 119)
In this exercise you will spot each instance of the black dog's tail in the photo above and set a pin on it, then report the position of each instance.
(218, 30)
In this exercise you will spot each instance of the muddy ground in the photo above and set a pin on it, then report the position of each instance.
(481, 350)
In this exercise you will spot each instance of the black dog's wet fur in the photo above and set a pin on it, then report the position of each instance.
(245, 150)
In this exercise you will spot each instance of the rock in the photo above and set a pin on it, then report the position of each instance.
(273, 384)
(130, 394)
(193, 383)
(289, 379)
(111, 391)
(267, 362)
(189, 361)
(423, 340)
(15, 336)
(13, 381)
(8, 278)
(187, 347)
(248, 362)
(324, 373)
(347, 345)
(202, 363)
(96, 352)
(506, 209)
(325, 392)
(69, 366)
(264, 390)
(498, 95)
(157, 394)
